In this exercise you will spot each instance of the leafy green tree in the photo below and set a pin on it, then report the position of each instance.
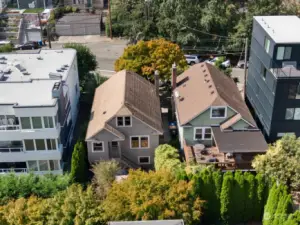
(86, 61)
(147, 56)
(271, 205)
(293, 219)
(226, 199)
(219, 65)
(14, 186)
(152, 196)
(72, 206)
(281, 161)
(104, 176)
(6, 48)
(166, 158)
(79, 165)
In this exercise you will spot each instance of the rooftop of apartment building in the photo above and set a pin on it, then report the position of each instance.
(28, 79)
(282, 29)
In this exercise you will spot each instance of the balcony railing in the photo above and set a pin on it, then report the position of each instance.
(13, 170)
(11, 149)
(9, 127)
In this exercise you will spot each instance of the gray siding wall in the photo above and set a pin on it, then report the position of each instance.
(260, 91)
(138, 128)
(106, 137)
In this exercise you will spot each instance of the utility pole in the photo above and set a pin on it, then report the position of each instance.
(49, 36)
(41, 29)
(245, 66)
(110, 25)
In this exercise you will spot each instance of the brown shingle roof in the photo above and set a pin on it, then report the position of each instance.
(202, 86)
(128, 89)
(228, 123)
(239, 141)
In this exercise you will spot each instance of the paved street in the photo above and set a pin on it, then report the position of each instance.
(107, 51)
(239, 73)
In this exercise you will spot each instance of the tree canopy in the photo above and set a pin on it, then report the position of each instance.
(152, 196)
(166, 158)
(147, 56)
(86, 62)
(281, 161)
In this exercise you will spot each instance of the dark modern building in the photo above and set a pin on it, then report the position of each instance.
(272, 86)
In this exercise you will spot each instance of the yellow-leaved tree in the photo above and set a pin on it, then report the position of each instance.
(147, 56)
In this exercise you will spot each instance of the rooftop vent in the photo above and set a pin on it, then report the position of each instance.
(7, 71)
(59, 70)
(66, 65)
(205, 75)
(209, 86)
(20, 67)
(25, 73)
(204, 71)
(206, 80)
(3, 62)
(202, 65)
(39, 58)
(212, 92)
(63, 68)
(3, 58)
(54, 75)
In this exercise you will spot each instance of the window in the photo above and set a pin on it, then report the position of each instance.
(263, 71)
(202, 133)
(48, 122)
(98, 147)
(267, 44)
(54, 165)
(124, 121)
(40, 144)
(218, 112)
(292, 114)
(144, 159)
(29, 145)
(25, 122)
(114, 144)
(51, 144)
(43, 165)
(289, 113)
(139, 142)
(284, 53)
(37, 123)
(294, 91)
(282, 134)
(32, 166)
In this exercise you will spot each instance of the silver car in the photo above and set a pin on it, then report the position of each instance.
(192, 59)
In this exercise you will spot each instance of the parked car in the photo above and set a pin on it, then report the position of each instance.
(192, 59)
(28, 45)
(241, 64)
(212, 61)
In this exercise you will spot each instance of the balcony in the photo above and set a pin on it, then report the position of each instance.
(9, 123)
(288, 71)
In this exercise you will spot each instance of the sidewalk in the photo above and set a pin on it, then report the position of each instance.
(89, 39)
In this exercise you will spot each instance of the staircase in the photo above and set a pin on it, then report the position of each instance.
(127, 163)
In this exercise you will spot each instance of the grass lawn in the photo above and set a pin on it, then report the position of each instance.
(37, 10)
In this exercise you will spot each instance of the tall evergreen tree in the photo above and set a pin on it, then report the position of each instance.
(79, 167)
(250, 191)
(260, 196)
(271, 205)
(239, 202)
(226, 200)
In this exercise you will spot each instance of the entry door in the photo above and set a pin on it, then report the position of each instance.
(114, 149)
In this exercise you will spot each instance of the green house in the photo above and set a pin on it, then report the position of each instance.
(215, 125)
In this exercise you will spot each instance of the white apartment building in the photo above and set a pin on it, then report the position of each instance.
(39, 95)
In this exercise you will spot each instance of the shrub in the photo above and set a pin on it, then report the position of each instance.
(166, 157)
(74, 9)
(68, 9)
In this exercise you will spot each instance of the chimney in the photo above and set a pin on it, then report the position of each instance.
(174, 75)
(156, 82)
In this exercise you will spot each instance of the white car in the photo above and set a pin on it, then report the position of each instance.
(192, 59)
(212, 61)
(241, 64)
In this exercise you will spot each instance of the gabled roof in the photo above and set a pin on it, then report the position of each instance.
(128, 89)
(202, 86)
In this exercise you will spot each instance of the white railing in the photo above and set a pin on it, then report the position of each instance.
(11, 149)
(14, 170)
(9, 127)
